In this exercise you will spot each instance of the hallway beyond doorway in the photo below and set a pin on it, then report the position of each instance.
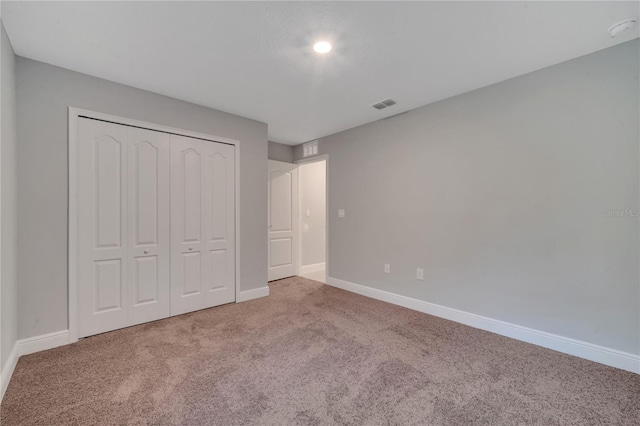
(320, 276)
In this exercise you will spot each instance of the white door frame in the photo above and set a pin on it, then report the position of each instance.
(74, 115)
(315, 159)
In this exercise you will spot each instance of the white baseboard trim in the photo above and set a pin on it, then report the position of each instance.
(43, 342)
(243, 296)
(28, 346)
(7, 371)
(612, 357)
(307, 269)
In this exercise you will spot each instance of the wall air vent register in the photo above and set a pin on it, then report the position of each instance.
(309, 149)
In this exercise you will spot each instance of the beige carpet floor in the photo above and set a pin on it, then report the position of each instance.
(311, 354)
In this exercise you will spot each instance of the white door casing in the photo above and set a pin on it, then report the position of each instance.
(202, 224)
(283, 220)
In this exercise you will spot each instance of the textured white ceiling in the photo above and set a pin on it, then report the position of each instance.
(255, 59)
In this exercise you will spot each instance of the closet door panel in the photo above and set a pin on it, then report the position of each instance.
(191, 190)
(218, 165)
(202, 224)
(102, 236)
(188, 223)
(192, 274)
(108, 285)
(148, 224)
(156, 225)
(219, 272)
(220, 282)
(146, 282)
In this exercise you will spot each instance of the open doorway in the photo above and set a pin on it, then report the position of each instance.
(312, 218)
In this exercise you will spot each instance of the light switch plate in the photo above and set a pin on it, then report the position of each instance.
(308, 213)
(387, 268)
(420, 274)
(341, 213)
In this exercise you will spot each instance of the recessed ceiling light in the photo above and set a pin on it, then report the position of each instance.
(621, 27)
(322, 47)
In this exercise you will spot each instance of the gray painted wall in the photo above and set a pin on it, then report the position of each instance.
(280, 152)
(312, 195)
(507, 196)
(44, 93)
(8, 201)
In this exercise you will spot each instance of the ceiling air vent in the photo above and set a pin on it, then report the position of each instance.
(384, 104)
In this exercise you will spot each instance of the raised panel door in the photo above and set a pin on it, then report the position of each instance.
(148, 224)
(102, 234)
(283, 220)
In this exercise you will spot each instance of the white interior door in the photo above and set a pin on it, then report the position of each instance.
(202, 224)
(102, 234)
(123, 226)
(283, 220)
(148, 225)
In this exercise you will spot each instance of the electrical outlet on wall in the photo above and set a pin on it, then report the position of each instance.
(387, 268)
(420, 274)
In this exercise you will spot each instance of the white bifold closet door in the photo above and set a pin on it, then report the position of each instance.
(155, 225)
(202, 224)
(123, 226)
